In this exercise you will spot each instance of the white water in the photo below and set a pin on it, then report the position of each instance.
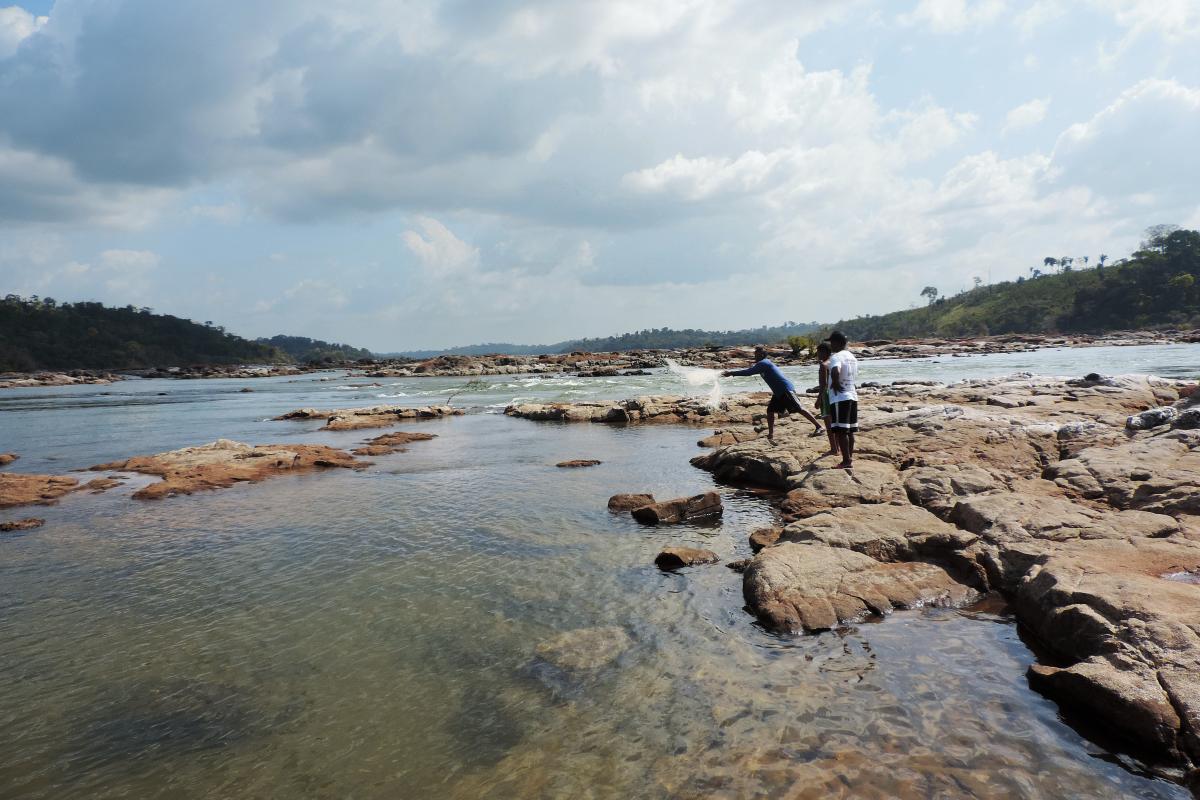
(699, 376)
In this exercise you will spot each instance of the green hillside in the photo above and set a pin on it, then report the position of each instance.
(1157, 286)
(42, 334)
(310, 351)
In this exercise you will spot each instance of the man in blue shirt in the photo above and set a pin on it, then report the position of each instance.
(783, 393)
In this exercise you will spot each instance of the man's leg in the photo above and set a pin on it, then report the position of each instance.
(848, 453)
(833, 439)
(770, 424)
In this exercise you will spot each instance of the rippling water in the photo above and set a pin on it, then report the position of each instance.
(373, 634)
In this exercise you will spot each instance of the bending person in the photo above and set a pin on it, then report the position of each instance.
(783, 393)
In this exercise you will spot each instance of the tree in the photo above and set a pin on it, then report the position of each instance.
(978, 281)
(930, 293)
(1049, 261)
(1157, 235)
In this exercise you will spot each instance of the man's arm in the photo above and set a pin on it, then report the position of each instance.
(741, 373)
(835, 379)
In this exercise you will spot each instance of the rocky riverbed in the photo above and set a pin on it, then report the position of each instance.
(1077, 500)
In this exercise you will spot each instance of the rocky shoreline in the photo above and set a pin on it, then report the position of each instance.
(609, 365)
(1078, 501)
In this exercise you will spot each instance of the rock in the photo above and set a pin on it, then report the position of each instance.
(939, 488)
(17, 489)
(579, 462)
(350, 419)
(29, 523)
(1152, 418)
(1127, 612)
(722, 438)
(1188, 419)
(223, 463)
(628, 502)
(7, 458)
(101, 485)
(585, 649)
(389, 443)
(1160, 473)
(811, 587)
(678, 557)
(680, 509)
(821, 488)
(883, 532)
(740, 565)
(764, 537)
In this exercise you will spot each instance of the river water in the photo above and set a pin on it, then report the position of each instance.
(373, 634)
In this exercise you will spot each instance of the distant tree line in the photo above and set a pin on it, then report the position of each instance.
(40, 333)
(314, 351)
(1157, 286)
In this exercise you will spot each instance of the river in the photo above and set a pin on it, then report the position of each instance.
(373, 634)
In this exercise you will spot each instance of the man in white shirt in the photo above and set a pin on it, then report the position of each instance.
(843, 397)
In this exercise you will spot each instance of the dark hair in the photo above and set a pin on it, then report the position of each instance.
(837, 338)
(824, 346)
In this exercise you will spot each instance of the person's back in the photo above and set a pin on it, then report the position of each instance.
(772, 375)
(847, 367)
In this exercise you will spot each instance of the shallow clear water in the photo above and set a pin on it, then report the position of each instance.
(372, 634)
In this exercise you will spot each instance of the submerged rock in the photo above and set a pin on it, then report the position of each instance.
(7, 458)
(350, 419)
(680, 509)
(585, 649)
(29, 523)
(579, 462)
(391, 443)
(678, 557)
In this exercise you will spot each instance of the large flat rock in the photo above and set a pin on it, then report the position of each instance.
(883, 532)
(1153, 472)
(821, 487)
(797, 588)
(17, 489)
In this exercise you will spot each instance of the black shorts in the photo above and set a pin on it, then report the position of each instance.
(844, 416)
(783, 402)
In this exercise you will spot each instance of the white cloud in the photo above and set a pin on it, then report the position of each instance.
(1026, 115)
(953, 16)
(440, 251)
(16, 25)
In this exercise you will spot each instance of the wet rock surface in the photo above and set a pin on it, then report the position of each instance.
(628, 502)
(390, 443)
(7, 458)
(26, 524)
(585, 649)
(223, 463)
(673, 558)
(680, 509)
(1038, 488)
(578, 463)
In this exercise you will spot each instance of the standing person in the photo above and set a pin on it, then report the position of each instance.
(843, 397)
(783, 393)
(823, 354)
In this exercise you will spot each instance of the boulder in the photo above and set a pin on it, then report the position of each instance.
(764, 537)
(7, 458)
(680, 509)
(674, 558)
(628, 502)
(798, 588)
(1152, 418)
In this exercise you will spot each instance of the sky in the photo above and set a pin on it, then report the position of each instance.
(431, 173)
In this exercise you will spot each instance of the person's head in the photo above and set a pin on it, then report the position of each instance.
(760, 352)
(837, 341)
(823, 351)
